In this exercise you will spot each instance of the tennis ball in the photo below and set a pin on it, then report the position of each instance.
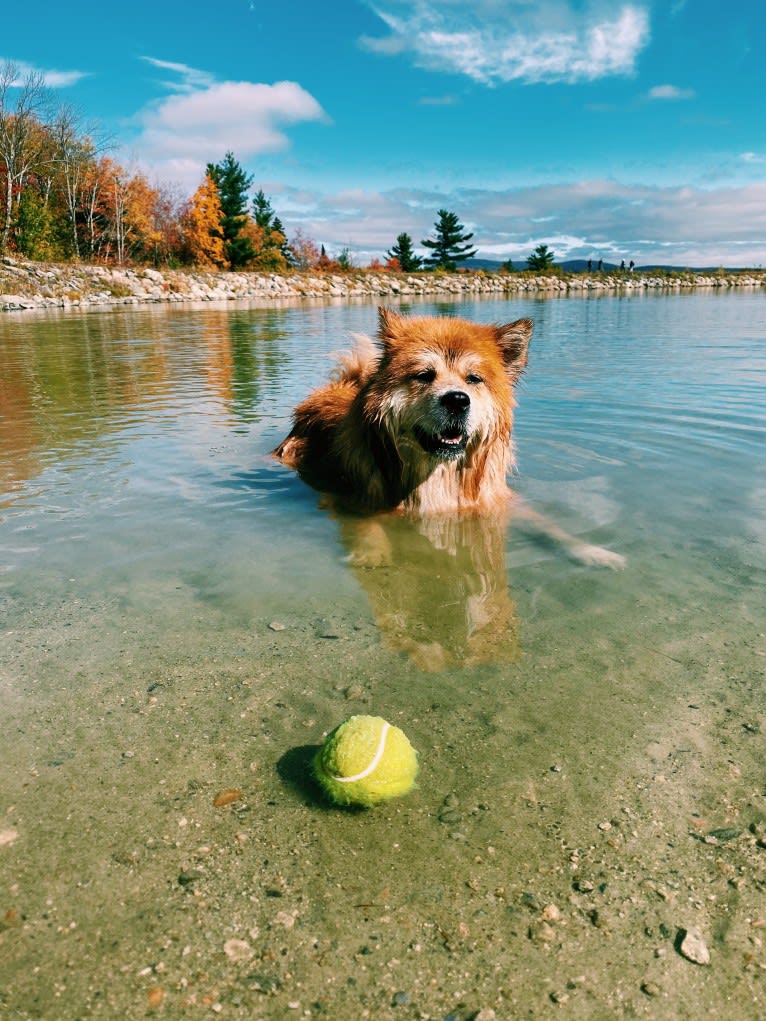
(366, 761)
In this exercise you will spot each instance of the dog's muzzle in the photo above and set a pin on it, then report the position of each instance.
(449, 437)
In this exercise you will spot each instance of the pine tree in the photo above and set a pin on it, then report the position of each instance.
(263, 214)
(404, 255)
(450, 246)
(541, 259)
(232, 183)
(284, 246)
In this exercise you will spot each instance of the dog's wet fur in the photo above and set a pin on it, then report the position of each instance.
(421, 423)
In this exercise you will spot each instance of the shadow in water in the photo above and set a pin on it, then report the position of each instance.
(438, 587)
(294, 768)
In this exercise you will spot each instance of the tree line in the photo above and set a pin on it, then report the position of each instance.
(62, 197)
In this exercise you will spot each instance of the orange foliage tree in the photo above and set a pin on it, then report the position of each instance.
(201, 225)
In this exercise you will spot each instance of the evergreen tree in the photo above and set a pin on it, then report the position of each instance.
(263, 214)
(541, 259)
(450, 246)
(232, 183)
(284, 246)
(404, 255)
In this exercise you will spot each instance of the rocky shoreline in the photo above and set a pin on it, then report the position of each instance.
(28, 285)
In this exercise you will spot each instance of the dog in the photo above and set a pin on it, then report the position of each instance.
(421, 426)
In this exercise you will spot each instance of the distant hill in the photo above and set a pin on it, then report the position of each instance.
(581, 266)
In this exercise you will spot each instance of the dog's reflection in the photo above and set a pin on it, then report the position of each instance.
(438, 586)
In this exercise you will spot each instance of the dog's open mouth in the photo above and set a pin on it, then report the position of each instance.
(449, 442)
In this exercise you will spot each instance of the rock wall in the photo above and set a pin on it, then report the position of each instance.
(32, 285)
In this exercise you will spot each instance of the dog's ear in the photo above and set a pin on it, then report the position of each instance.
(389, 324)
(513, 340)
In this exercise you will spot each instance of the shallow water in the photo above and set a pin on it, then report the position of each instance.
(179, 616)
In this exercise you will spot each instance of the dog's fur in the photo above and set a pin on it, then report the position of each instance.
(422, 425)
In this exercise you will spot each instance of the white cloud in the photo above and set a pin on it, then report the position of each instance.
(191, 78)
(204, 118)
(670, 92)
(682, 226)
(494, 43)
(51, 78)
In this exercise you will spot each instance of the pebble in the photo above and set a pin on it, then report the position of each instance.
(238, 950)
(449, 815)
(189, 876)
(276, 626)
(227, 797)
(692, 946)
(7, 837)
(541, 932)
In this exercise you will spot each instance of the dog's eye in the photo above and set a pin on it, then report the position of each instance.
(425, 376)
(474, 378)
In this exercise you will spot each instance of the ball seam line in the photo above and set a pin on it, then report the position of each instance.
(375, 761)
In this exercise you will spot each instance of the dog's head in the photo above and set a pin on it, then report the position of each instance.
(445, 385)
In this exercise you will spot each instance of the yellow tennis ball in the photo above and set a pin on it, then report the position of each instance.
(366, 761)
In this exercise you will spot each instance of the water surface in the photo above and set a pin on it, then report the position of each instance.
(178, 616)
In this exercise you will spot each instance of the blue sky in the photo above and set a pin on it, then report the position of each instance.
(603, 129)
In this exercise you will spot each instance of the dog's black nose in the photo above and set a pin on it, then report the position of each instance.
(456, 401)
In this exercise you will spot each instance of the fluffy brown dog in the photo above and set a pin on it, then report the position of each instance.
(421, 426)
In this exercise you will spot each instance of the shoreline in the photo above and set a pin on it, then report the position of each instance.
(26, 285)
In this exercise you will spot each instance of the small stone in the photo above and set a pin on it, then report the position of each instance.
(7, 837)
(650, 988)
(400, 999)
(189, 876)
(155, 997)
(449, 816)
(276, 626)
(692, 946)
(584, 886)
(560, 997)
(541, 932)
(451, 801)
(227, 797)
(238, 950)
(726, 833)
(551, 913)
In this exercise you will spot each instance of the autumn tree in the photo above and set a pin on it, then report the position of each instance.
(404, 254)
(306, 255)
(75, 157)
(35, 236)
(267, 237)
(541, 259)
(21, 140)
(202, 226)
(450, 245)
(233, 182)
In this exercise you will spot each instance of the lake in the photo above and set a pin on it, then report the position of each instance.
(181, 622)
